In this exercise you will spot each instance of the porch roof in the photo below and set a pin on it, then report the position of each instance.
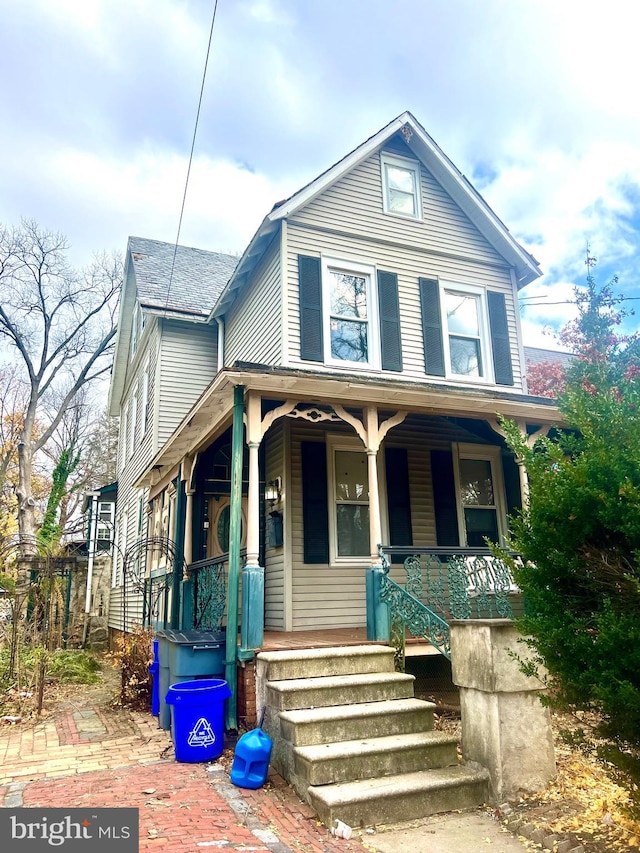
(211, 414)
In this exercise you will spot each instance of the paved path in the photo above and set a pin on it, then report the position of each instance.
(92, 756)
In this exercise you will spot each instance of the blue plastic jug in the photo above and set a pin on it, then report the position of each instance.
(251, 759)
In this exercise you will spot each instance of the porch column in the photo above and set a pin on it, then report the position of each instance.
(235, 526)
(186, 597)
(377, 611)
(252, 630)
(178, 559)
(524, 483)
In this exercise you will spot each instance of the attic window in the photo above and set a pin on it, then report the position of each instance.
(401, 186)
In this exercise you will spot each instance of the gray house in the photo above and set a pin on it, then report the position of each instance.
(351, 365)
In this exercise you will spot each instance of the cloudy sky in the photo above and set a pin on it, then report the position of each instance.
(536, 101)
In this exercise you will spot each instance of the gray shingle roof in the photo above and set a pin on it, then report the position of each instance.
(536, 355)
(199, 277)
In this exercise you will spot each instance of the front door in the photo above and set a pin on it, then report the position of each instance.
(219, 513)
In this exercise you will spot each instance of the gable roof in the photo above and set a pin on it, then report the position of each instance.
(193, 285)
(441, 167)
(185, 289)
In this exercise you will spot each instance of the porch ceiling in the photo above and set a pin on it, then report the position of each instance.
(212, 412)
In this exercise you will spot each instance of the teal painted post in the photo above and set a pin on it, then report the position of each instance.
(186, 605)
(178, 560)
(252, 632)
(235, 533)
(378, 620)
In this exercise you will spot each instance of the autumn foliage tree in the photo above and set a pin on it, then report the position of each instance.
(60, 324)
(579, 536)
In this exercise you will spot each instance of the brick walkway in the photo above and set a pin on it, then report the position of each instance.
(101, 758)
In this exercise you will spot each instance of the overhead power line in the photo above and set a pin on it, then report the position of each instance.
(193, 145)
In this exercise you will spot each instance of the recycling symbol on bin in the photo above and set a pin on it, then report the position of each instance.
(201, 734)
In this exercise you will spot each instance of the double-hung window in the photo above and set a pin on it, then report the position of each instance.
(145, 399)
(348, 503)
(481, 508)
(133, 417)
(104, 528)
(464, 320)
(350, 311)
(401, 186)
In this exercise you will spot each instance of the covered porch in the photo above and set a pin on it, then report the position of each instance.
(290, 581)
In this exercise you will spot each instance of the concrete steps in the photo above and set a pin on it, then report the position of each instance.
(354, 743)
(360, 720)
(405, 796)
(324, 691)
(327, 763)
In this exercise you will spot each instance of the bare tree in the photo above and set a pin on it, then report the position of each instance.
(62, 324)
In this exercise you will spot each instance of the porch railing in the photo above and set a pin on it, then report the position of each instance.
(443, 584)
(209, 591)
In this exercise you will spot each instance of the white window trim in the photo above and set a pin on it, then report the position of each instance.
(104, 523)
(373, 322)
(485, 453)
(145, 399)
(387, 159)
(133, 417)
(124, 437)
(120, 547)
(352, 445)
(486, 353)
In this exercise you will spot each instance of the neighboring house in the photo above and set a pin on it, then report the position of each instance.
(99, 510)
(537, 355)
(369, 336)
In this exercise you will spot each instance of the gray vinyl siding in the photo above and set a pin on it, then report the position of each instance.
(188, 362)
(410, 264)
(354, 205)
(182, 361)
(274, 583)
(325, 596)
(124, 615)
(252, 326)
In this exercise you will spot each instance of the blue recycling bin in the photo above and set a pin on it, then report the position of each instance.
(197, 718)
(185, 656)
(251, 760)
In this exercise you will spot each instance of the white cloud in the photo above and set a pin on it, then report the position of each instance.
(225, 203)
(536, 97)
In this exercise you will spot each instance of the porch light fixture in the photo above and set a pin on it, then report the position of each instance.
(272, 491)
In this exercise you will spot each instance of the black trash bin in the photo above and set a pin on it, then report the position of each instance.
(185, 656)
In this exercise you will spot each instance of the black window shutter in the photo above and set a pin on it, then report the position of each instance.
(398, 498)
(389, 321)
(315, 519)
(431, 327)
(512, 484)
(500, 338)
(310, 296)
(444, 498)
